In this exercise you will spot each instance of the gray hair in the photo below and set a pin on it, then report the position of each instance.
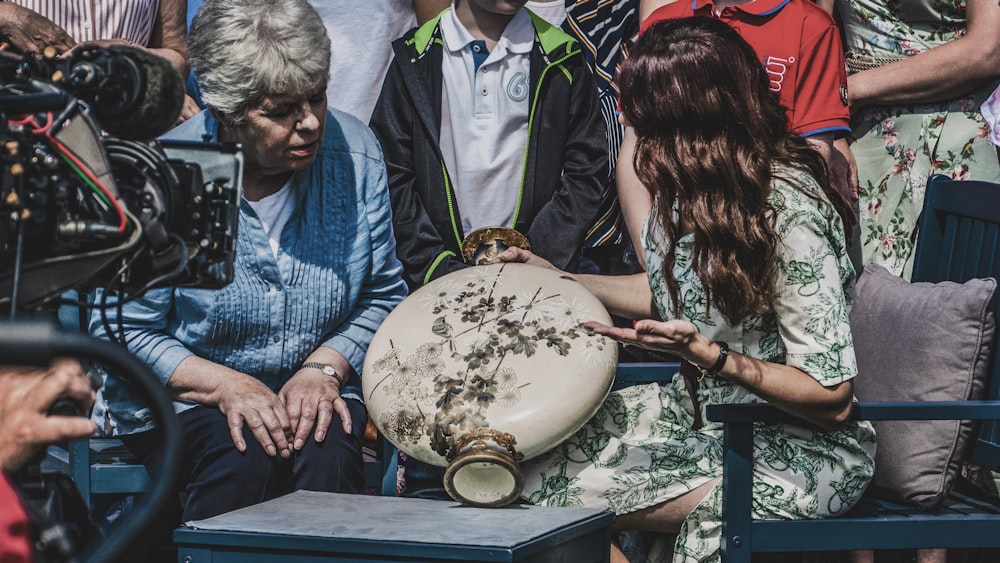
(244, 50)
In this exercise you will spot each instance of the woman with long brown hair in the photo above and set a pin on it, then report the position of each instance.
(748, 270)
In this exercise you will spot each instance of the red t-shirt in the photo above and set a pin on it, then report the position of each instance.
(15, 545)
(799, 46)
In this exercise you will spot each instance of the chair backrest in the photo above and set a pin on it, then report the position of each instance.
(959, 239)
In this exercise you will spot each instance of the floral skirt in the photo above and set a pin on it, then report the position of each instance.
(897, 149)
(639, 451)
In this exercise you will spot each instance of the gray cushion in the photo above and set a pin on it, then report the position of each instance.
(920, 342)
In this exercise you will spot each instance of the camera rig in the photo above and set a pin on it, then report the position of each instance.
(80, 209)
(88, 200)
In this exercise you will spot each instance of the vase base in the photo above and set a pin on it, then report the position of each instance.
(484, 478)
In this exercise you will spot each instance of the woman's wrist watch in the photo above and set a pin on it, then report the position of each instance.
(326, 369)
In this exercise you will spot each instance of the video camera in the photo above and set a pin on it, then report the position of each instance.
(83, 209)
(88, 200)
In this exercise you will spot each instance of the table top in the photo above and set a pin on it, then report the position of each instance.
(393, 519)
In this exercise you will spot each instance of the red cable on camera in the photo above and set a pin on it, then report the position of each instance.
(45, 131)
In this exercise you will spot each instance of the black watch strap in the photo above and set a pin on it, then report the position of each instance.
(715, 368)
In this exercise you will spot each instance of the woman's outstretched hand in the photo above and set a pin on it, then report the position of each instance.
(673, 336)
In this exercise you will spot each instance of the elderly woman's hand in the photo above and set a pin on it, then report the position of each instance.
(311, 397)
(247, 400)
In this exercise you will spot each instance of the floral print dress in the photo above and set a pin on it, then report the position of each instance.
(898, 147)
(640, 449)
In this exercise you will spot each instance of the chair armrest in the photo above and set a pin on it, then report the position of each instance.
(943, 410)
(637, 373)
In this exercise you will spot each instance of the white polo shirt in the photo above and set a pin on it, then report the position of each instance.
(484, 118)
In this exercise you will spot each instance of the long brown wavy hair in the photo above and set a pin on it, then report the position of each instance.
(710, 135)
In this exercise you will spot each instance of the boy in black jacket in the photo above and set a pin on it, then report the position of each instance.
(489, 116)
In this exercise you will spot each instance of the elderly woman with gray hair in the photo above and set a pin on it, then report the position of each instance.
(264, 372)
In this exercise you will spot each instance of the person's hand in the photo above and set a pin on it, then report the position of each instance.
(840, 160)
(246, 400)
(103, 44)
(188, 110)
(26, 395)
(516, 254)
(311, 397)
(673, 336)
(844, 169)
(27, 31)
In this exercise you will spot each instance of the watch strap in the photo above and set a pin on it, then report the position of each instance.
(328, 370)
(715, 368)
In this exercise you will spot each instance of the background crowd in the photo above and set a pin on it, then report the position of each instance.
(716, 172)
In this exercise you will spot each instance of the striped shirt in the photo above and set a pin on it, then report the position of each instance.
(92, 20)
(603, 26)
(609, 227)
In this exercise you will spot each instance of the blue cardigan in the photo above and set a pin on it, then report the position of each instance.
(335, 279)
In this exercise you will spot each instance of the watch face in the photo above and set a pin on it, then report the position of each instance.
(329, 370)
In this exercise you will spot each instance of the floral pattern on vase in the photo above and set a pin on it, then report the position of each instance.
(485, 346)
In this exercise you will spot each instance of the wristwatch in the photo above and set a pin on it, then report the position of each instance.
(327, 369)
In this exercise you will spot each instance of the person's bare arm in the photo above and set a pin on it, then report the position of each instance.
(647, 7)
(941, 73)
(632, 195)
(169, 38)
(783, 386)
(840, 161)
(786, 387)
(844, 163)
(826, 5)
(627, 296)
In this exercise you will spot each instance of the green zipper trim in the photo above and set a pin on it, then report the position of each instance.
(437, 262)
(451, 204)
(531, 122)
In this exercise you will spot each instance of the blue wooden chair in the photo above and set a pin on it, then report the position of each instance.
(959, 240)
(638, 373)
(103, 466)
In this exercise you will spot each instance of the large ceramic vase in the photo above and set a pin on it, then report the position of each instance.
(484, 368)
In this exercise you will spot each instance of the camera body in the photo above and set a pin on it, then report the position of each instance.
(80, 209)
(83, 209)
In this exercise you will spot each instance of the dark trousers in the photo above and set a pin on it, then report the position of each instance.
(218, 478)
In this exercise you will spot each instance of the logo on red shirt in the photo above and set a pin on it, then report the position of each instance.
(776, 68)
